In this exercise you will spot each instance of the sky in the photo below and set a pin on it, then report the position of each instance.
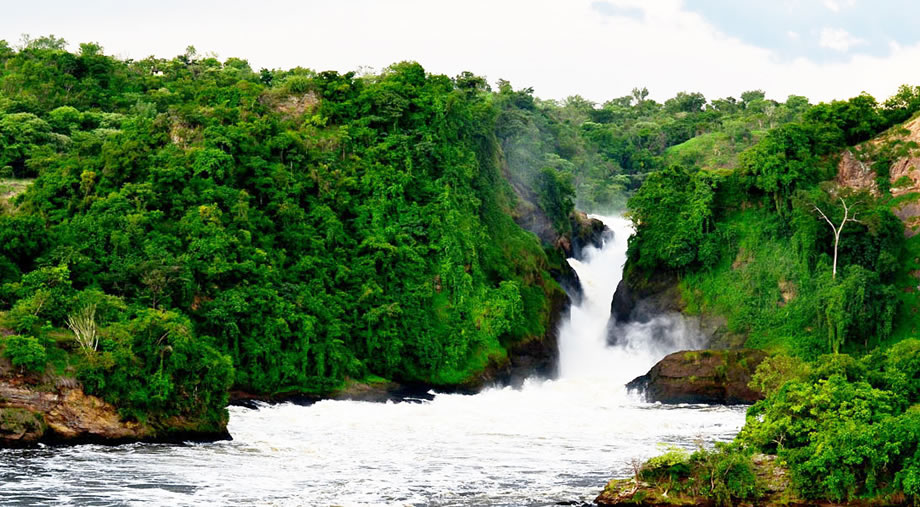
(599, 49)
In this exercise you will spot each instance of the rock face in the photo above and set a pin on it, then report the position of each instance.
(586, 231)
(855, 169)
(64, 414)
(29, 415)
(639, 297)
(703, 376)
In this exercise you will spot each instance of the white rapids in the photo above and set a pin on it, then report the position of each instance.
(550, 441)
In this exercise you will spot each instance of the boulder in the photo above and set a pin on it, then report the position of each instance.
(702, 376)
(586, 231)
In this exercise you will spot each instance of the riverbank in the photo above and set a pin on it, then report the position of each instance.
(56, 411)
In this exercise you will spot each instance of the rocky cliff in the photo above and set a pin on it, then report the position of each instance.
(702, 376)
(897, 153)
(640, 296)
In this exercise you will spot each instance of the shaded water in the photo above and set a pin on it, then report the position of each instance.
(551, 441)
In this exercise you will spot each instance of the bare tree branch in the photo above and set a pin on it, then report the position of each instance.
(838, 228)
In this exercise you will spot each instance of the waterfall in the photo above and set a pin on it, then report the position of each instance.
(584, 352)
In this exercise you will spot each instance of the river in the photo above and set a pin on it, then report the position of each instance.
(551, 441)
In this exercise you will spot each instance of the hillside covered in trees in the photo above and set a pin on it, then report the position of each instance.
(194, 225)
(806, 248)
(172, 228)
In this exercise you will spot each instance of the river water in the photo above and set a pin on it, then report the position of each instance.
(551, 441)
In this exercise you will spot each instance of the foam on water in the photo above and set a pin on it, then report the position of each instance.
(550, 441)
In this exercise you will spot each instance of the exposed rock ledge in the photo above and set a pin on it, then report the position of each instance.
(640, 297)
(702, 376)
(777, 490)
(64, 414)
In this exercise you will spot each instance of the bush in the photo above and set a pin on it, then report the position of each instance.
(773, 372)
(26, 353)
(154, 364)
(672, 465)
(725, 474)
(846, 428)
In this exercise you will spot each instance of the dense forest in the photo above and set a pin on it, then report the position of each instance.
(819, 271)
(174, 228)
(189, 225)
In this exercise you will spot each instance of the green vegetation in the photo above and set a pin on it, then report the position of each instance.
(606, 150)
(846, 428)
(170, 228)
(750, 243)
(726, 475)
(771, 244)
(194, 224)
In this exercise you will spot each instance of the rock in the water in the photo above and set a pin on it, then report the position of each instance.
(586, 232)
(702, 376)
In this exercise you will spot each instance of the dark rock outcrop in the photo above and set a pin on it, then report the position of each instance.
(639, 297)
(586, 231)
(702, 376)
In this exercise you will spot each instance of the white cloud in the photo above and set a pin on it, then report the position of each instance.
(792, 35)
(834, 5)
(560, 47)
(838, 39)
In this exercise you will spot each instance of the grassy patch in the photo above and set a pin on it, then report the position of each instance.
(715, 150)
(9, 189)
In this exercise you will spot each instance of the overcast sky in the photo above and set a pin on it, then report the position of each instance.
(600, 49)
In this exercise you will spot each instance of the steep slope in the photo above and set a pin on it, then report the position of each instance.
(890, 164)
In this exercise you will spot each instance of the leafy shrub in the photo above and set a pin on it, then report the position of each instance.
(847, 428)
(153, 364)
(725, 474)
(672, 465)
(775, 371)
(25, 352)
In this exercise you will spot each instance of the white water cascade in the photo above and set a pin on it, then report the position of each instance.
(550, 441)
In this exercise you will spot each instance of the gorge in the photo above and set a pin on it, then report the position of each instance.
(552, 440)
(193, 248)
